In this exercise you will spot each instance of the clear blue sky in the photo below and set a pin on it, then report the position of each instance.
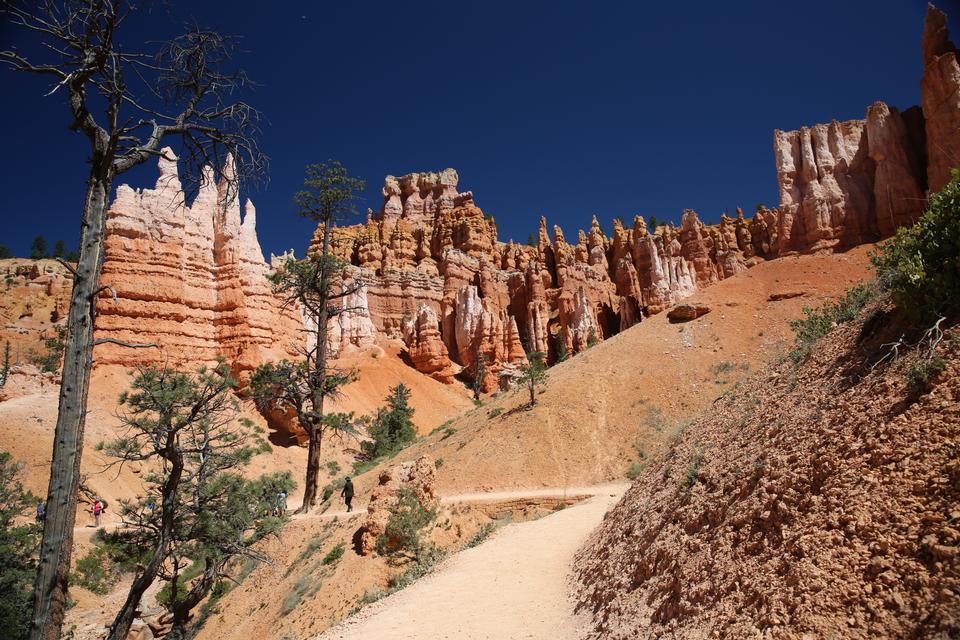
(564, 109)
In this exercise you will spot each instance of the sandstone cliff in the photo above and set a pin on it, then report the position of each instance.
(436, 275)
(439, 277)
(191, 279)
(940, 99)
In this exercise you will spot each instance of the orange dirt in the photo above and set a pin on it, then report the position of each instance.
(599, 409)
(812, 502)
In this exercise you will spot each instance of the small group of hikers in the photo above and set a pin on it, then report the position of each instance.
(280, 507)
(96, 510)
(100, 505)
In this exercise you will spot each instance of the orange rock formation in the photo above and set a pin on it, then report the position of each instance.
(191, 279)
(431, 247)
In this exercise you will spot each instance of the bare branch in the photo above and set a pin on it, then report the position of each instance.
(130, 345)
(69, 267)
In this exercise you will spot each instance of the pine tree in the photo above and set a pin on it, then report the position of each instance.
(38, 248)
(19, 540)
(58, 249)
(5, 371)
(392, 428)
(562, 352)
(319, 285)
(479, 373)
(198, 509)
(592, 339)
(534, 374)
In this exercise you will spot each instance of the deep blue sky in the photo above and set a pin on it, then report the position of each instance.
(558, 108)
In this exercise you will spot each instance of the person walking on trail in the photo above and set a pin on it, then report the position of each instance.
(347, 493)
(41, 511)
(97, 510)
(281, 503)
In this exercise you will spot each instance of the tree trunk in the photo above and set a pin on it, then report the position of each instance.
(121, 624)
(313, 469)
(50, 587)
(182, 608)
(319, 379)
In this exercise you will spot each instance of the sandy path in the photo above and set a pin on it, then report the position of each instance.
(514, 585)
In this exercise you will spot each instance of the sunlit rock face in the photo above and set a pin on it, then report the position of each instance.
(940, 99)
(189, 278)
(434, 274)
(439, 277)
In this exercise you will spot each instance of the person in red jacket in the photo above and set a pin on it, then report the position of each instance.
(97, 510)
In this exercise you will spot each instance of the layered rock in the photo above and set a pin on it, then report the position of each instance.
(429, 268)
(417, 476)
(846, 183)
(191, 279)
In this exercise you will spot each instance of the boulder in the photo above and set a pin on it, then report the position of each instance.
(687, 312)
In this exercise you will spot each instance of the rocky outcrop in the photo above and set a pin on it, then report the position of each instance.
(432, 272)
(418, 475)
(940, 99)
(191, 279)
(845, 183)
(687, 312)
(425, 347)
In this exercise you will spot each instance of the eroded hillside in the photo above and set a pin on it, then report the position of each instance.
(620, 401)
(811, 501)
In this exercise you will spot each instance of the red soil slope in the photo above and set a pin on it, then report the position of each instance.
(811, 502)
(599, 410)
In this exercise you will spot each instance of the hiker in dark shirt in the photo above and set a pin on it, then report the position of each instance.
(347, 493)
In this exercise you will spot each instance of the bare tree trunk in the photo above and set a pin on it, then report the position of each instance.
(50, 587)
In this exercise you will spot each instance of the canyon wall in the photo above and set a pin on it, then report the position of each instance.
(438, 277)
(190, 279)
(435, 275)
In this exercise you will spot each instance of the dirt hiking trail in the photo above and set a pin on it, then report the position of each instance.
(514, 585)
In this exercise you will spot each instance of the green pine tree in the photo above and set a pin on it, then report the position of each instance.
(19, 541)
(392, 428)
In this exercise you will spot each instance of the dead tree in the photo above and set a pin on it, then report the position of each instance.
(128, 100)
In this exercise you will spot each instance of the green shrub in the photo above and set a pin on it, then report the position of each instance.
(336, 485)
(49, 360)
(303, 587)
(592, 339)
(921, 264)
(635, 470)
(920, 374)
(312, 547)
(429, 557)
(335, 554)
(493, 413)
(408, 517)
(482, 534)
(333, 468)
(438, 463)
(19, 541)
(94, 572)
(693, 469)
(817, 323)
